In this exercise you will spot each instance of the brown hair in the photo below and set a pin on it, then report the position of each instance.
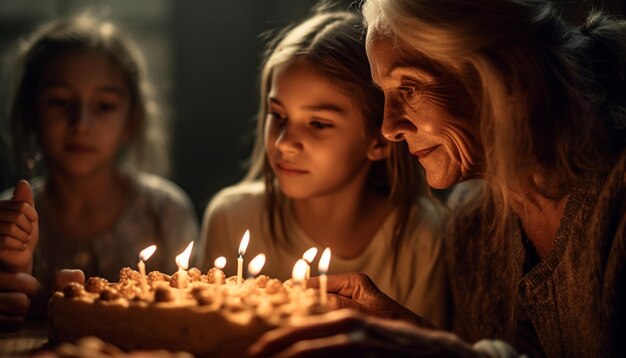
(82, 33)
(334, 42)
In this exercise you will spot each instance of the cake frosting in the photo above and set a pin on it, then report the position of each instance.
(207, 316)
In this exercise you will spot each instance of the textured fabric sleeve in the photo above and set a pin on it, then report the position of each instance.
(177, 218)
(428, 296)
(215, 230)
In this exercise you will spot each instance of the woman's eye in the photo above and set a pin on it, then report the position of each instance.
(320, 125)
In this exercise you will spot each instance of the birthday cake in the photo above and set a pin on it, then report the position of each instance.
(203, 314)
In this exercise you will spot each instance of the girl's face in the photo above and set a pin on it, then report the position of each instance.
(315, 138)
(83, 108)
(445, 144)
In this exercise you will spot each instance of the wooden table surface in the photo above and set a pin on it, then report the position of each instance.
(21, 343)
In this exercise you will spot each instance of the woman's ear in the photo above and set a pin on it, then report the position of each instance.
(380, 148)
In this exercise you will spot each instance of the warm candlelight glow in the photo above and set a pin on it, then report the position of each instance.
(256, 264)
(146, 253)
(309, 255)
(299, 270)
(182, 260)
(324, 261)
(220, 262)
(243, 245)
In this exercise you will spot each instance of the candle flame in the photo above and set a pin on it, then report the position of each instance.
(244, 243)
(182, 260)
(309, 255)
(255, 266)
(299, 270)
(324, 261)
(145, 254)
(220, 262)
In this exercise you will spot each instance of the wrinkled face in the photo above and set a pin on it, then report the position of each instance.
(417, 111)
(315, 138)
(83, 108)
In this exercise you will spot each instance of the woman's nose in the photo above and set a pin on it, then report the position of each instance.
(396, 123)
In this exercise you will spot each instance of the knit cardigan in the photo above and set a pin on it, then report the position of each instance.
(575, 298)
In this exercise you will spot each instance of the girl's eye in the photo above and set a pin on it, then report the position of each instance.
(320, 125)
(107, 106)
(58, 102)
(277, 119)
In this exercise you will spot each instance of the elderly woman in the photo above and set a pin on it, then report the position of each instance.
(507, 93)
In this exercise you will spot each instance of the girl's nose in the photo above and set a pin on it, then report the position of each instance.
(396, 124)
(288, 140)
(81, 117)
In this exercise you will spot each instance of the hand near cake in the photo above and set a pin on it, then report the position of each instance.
(386, 329)
(19, 233)
(349, 333)
(357, 291)
(19, 230)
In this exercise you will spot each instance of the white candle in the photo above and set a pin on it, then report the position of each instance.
(309, 256)
(323, 269)
(243, 245)
(298, 276)
(182, 261)
(219, 263)
(256, 265)
(144, 255)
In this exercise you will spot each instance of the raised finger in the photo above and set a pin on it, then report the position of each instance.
(281, 338)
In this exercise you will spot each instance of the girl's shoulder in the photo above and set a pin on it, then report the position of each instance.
(242, 196)
(158, 192)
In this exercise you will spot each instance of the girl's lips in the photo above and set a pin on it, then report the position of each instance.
(424, 152)
(78, 148)
(289, 170)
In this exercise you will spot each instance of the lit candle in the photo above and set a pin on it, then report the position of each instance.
(309, 256)
(256, 265)
(323, 269)
(144, 255)
(219, 263)
(243, 245)
(298, 275)
(182, 261)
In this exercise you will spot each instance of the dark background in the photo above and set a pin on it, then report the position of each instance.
(203, 57)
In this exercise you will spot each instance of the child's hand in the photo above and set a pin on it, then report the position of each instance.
(19, 230)
(16, 290)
